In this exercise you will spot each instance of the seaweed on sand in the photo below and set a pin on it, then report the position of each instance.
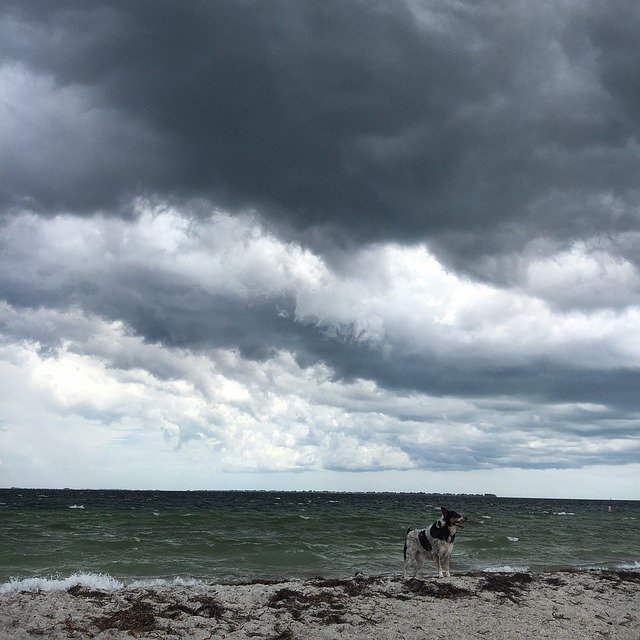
(78, 591)
(209, 608)
(139, 617)
(621, 575)
(511, 586)
(437, 589)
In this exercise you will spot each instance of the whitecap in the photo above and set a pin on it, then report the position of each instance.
(487, 517)
(512, 539)
(76, 506)
(92, 580)
(563, 513)
(505, 569)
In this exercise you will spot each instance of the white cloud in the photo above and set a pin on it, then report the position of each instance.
(584, 277)
(233, 415)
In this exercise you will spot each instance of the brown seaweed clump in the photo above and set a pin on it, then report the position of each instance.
(78, 591)
(209, 608)
(511, 586)
(619, 576)
(138, 618)
(437, 589)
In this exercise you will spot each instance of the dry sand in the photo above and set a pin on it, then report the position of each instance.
(589, 604)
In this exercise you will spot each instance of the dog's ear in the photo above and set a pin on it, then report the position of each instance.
(445, 512)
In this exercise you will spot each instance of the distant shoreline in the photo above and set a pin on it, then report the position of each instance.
(323, 491)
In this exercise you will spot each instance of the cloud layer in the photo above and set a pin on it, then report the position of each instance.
(229, 341)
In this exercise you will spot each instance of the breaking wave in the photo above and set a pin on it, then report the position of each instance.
(100, 581)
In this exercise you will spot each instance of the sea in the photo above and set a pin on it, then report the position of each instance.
(54, 539)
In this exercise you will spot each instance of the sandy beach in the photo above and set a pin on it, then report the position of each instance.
(586, 604)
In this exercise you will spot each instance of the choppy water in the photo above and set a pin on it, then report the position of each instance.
(48, 538)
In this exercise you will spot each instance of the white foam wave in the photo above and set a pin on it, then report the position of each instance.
(563, 513)
(76, 506)
(505, 569)
(512, 539)
(487, 517)
(92, 580)
(100, 581)
(633, 566)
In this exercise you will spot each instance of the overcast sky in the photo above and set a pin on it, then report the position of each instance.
(347, 245)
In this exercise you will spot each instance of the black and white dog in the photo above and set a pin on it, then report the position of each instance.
(435, 542)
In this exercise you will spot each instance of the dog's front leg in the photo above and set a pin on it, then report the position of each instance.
(438, 566)
(446, 563)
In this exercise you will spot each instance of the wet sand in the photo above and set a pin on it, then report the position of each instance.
(581, 604)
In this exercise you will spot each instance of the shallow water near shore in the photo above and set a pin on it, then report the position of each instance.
(50, 537)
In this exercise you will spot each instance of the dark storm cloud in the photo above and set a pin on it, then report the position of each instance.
(157, 307)
(459, 376)
(478, 125)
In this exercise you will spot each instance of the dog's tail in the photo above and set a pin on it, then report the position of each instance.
(405, 542)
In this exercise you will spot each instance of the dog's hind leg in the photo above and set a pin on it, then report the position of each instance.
(418, 560)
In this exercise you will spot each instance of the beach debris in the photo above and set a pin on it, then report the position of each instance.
(436, 589)
(209, 607)
(80, 591)
(448, 590)
(139, 617)
(621, 575)
(510, 586)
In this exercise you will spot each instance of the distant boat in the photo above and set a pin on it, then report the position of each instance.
(609, 509)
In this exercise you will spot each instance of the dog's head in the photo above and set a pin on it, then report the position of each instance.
(453, 519)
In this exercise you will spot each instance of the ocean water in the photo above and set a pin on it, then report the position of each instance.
(52, 539)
